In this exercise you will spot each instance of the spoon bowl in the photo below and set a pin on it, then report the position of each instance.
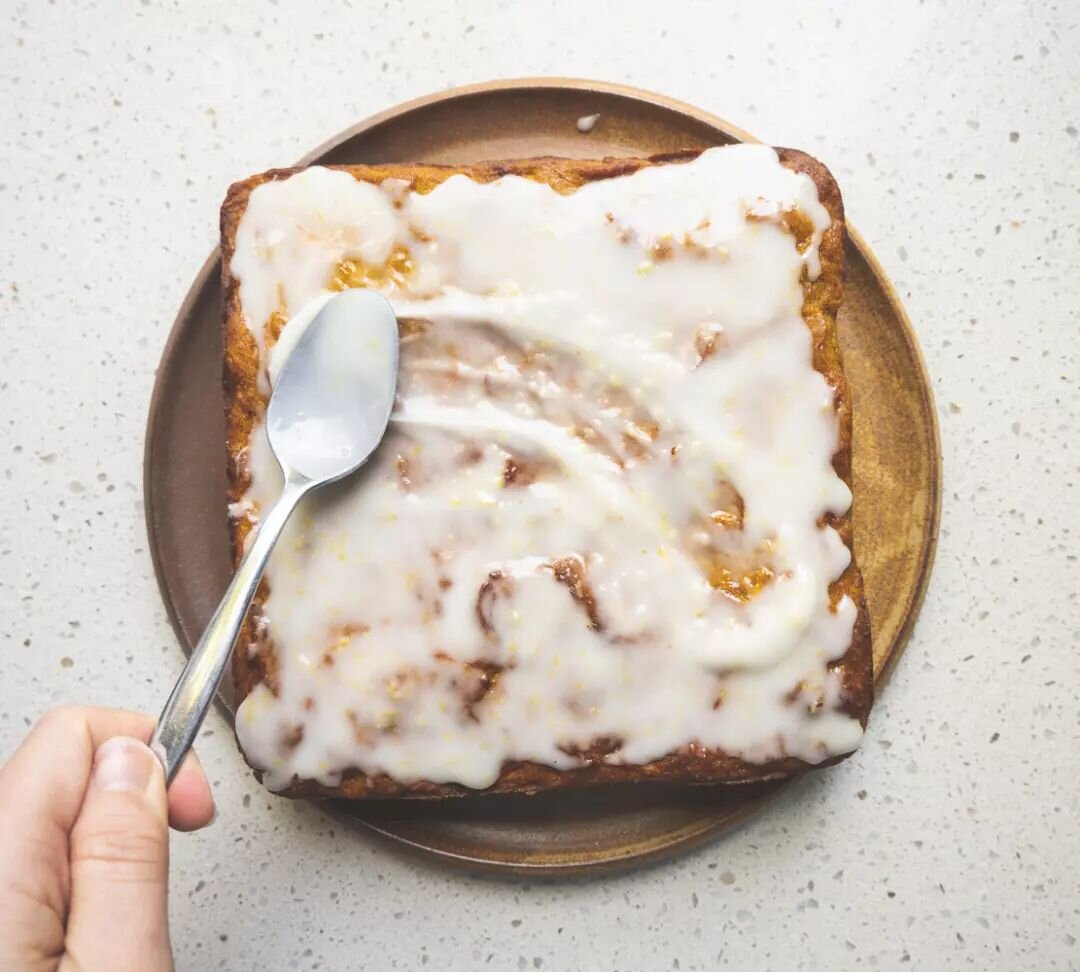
(334, 393)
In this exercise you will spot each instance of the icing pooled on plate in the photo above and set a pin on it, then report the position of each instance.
(596, 522)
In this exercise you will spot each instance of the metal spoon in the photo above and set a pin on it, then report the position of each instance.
(328, 411)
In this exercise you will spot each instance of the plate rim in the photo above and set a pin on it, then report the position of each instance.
(681, 841)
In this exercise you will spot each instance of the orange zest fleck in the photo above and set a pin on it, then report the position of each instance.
(389, 275)
(742, 587)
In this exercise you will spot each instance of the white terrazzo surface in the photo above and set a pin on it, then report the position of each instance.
(953, 840)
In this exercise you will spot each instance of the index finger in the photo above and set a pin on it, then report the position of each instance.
(45, 780)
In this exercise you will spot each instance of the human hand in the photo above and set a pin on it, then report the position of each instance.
(84, 844)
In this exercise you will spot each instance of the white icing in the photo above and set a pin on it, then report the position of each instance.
(550, 314)
(242, 510)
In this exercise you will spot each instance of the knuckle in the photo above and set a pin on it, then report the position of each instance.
(118, 849)
(63, 717)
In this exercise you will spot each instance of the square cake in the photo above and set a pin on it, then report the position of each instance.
(607, 536)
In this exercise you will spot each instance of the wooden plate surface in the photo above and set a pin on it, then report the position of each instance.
(896, 469)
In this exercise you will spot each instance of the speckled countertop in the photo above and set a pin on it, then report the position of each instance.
(952, 840)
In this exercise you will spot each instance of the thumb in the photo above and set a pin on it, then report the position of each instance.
(120, 863)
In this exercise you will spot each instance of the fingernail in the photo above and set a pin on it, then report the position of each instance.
(123, 764)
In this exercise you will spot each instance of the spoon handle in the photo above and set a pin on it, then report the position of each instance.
(184, 712)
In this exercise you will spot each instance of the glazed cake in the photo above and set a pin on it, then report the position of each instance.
(607, 536)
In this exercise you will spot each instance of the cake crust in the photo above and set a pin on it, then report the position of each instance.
(245, 404)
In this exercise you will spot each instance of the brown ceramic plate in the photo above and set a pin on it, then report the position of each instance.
(896, 469)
